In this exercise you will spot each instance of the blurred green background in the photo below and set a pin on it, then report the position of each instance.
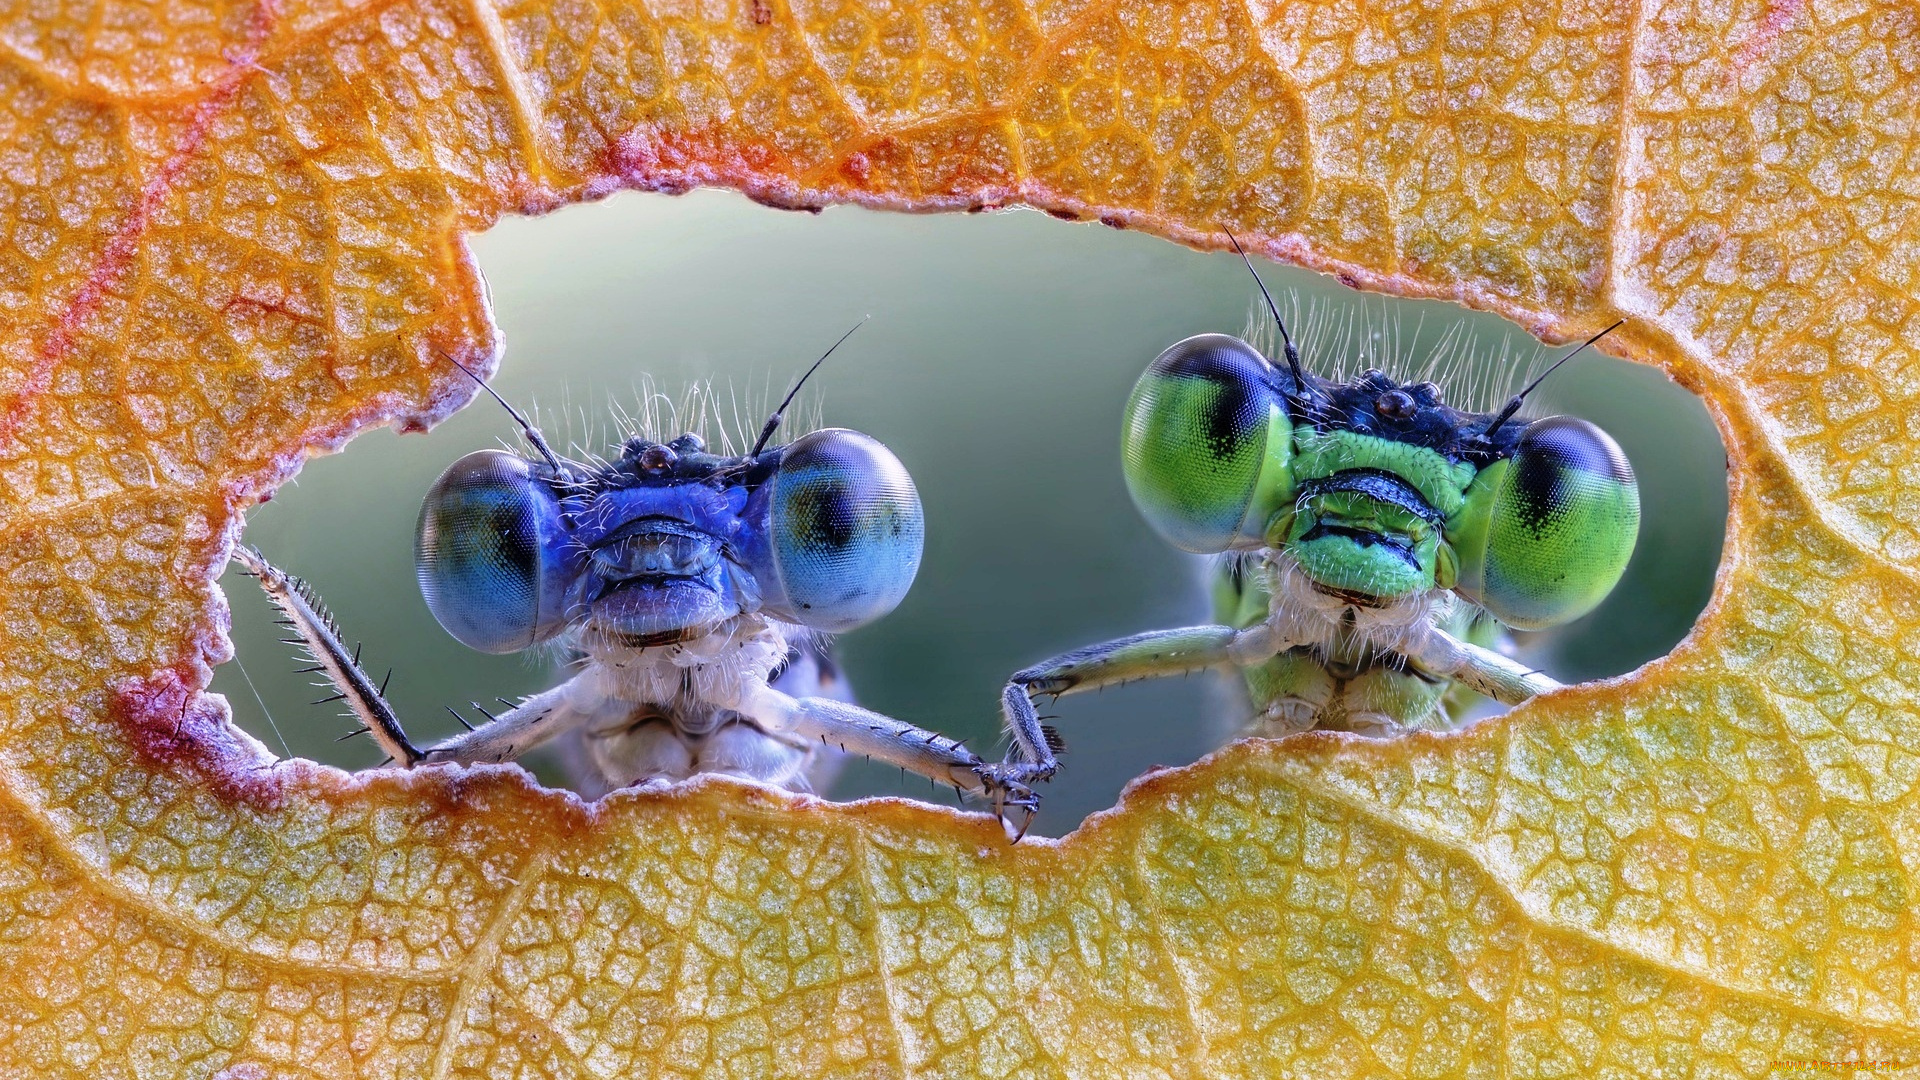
(1000, 351)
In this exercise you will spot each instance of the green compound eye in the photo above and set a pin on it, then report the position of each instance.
(1545, 535)
(1206, 444)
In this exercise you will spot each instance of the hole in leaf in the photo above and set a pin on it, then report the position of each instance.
(1000, 352)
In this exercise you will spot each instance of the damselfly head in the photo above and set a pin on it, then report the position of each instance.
(665, 541)
(1375, 488)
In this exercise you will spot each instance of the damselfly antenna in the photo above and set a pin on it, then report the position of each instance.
(1514, 403)
(773, 422)
(534, 438)
(1286, 339)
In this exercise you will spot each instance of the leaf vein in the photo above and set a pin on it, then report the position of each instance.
(1531, 908)
(902, 1039)
(469, 975)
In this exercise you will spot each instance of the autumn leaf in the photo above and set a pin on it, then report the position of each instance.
(234, 237)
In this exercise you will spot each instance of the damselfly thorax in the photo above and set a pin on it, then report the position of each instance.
(669, 723)
(1350, 670)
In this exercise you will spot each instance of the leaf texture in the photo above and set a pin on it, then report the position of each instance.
(233, 237)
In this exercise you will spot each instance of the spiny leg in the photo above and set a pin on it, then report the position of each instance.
(1142, 656)
(862, 731)
(322, 638)
(512, 733)
(1479, 668)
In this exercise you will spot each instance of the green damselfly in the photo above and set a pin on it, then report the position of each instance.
(1376, 540)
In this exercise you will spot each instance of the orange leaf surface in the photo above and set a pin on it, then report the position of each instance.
(233, 234)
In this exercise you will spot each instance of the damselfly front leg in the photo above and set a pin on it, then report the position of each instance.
(1143, 656)
(308, 617)
(1480, 669)
(854, 730)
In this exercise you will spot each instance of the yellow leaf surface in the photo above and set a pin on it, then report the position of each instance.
(233, 235)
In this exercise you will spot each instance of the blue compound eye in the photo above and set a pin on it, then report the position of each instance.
(489, 553)
(846, 529)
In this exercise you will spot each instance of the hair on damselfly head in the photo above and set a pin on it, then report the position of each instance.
(714, 414)
(1340, 338)
(696, 413)
(659, 416)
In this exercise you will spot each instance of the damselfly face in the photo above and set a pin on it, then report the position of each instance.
(667, 542)
(1378, 490)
